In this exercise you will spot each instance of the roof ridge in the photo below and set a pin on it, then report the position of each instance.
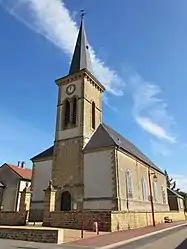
(104, 126)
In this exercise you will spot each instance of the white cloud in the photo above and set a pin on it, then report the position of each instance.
(53, 20)
(181, 181)
(151, 127)
(149, 110)
(106, 101)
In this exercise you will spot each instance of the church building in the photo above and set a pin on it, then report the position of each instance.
(92, 167)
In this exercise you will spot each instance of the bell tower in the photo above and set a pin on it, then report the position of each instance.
(79, 112)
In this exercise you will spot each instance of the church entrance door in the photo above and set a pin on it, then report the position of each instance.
(66, 201)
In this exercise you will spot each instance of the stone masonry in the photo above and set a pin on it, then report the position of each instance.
(108, 221)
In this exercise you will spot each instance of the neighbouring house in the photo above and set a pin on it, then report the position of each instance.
(13, 180)
(91, 165)
(42, 166)
(175, 200)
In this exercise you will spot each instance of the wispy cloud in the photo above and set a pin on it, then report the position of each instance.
(53, 20)
(149, 110)
(153, 128)
(107, 103)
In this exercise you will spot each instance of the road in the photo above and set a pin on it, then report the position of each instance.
(174, 239)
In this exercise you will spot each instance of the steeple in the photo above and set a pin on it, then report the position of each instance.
(81, 56)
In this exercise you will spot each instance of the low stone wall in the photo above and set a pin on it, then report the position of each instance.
(33, 234)
(131, 220)
(74, 220)
(109, 221)
(12, 218)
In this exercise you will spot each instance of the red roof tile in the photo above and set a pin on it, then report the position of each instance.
(25, 173)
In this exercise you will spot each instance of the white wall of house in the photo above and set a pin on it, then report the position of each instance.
(98, 180)
(22, 185)
(40, 181)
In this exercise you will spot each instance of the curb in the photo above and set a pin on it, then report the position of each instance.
(121, 243)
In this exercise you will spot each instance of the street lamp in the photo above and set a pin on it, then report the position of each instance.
(151, 195)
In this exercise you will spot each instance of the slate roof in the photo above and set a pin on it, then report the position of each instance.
(105, 136)
(24, 173)
(81, 56)
(46, 153)
(172, 193)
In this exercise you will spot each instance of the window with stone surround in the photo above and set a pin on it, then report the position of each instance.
(163, 195)
(129, 185)
(155, 192)
(144, 189)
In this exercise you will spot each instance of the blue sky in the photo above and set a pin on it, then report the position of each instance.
(139, 52)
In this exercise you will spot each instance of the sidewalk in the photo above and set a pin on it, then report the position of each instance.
(111, 238)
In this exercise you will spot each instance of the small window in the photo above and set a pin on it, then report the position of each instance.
(67, 113)
(163, 195)
(181, 203)
(129, 184)
(144, 189)
(74, 112)
(155, 194)
(93, 115)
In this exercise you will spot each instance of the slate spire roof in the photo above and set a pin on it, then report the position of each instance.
(81, 56)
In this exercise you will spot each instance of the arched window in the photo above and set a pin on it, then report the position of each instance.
(163, 195)
(74, 111)
(93, 115)
(144, 189)
(67, 113)
(129, 184)
(155, 193)
(66, 201)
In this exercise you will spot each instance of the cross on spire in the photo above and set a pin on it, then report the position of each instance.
(82, 14)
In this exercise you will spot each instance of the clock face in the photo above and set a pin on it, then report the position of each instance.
(70, 89)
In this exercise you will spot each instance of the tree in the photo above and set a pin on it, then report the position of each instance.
(171, 184)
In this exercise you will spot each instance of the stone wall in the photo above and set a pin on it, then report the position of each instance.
(33, 234)
(11, 218)
(131, 220)
(74, 219)
(108, 220)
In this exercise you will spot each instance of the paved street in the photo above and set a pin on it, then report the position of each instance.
(174, 239)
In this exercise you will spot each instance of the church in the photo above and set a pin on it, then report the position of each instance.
(92, 167)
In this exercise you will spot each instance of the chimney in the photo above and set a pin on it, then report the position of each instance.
(22, 164)
(18, 163)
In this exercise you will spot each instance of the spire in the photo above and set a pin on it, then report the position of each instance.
(81, 56)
